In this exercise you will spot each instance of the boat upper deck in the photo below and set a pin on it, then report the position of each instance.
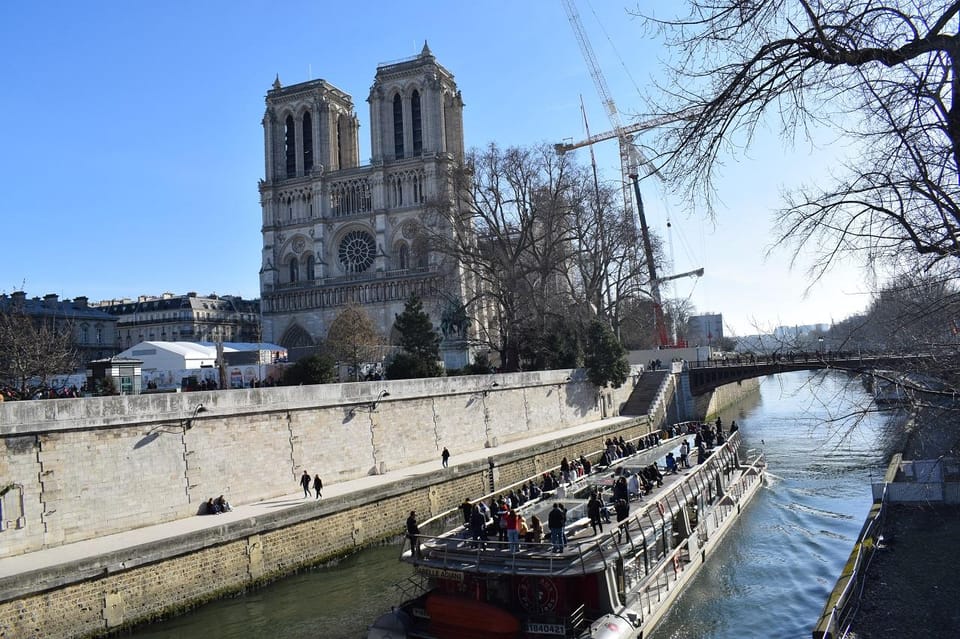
(455, 551)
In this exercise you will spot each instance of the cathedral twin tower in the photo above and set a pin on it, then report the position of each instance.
(337, 233)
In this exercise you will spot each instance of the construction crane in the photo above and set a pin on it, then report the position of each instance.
(630, 156)
(630, 161)
(628, 130)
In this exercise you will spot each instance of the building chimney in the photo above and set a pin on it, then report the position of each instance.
(50, 300)
(80, 301)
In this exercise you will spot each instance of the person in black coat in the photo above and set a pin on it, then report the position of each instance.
(413, 534)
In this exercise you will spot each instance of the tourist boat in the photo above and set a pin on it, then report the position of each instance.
(611, 585)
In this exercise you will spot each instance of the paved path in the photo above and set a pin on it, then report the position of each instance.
(92, 548)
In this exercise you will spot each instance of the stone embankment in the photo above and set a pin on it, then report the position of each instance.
(99, 517)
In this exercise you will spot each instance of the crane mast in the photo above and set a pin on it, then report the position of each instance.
(630, 161)
(600, 82)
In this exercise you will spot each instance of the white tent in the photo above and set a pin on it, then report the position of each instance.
(159, 356)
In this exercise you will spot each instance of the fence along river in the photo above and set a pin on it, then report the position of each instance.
(770, 578)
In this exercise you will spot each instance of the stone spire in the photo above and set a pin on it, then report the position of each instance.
(426, 52)
(276, 83)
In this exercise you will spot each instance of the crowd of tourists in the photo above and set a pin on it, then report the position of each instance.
(500, 517)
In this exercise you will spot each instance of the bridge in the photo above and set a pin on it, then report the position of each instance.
(708, 375)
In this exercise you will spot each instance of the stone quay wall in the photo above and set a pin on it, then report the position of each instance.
(76, 469)
(710, 404)
(107, 593)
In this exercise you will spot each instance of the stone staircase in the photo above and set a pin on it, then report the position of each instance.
(644, 393)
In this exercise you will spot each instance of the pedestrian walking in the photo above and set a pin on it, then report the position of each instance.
(317, 486)
(305, 482)
(445, 456)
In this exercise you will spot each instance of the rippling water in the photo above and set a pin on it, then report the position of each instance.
(769, 580)
(775, 569)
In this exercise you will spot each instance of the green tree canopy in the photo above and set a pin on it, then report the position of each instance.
(419, 341)
(313, 369)
(606, 360)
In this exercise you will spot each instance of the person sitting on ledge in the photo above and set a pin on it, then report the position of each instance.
(222, 505)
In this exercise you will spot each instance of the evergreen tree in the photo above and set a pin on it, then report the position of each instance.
(419, 341)
(315, 369)
(606, 360)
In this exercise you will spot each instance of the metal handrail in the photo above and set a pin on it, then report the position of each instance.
(587, 551)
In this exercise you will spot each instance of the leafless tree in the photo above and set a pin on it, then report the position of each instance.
(882, 73)
(545, 248)
(352, 338)
(32, 350)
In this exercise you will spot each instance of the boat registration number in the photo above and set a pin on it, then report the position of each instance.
(547, 628)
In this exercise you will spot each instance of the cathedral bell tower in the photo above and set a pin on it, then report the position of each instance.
(338, 234)
(415, 111)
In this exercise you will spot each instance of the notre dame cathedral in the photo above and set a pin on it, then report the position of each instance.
(336, 232)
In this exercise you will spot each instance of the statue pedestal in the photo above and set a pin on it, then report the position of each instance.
(455, 353)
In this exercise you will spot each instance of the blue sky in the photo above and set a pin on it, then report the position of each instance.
(132, 138)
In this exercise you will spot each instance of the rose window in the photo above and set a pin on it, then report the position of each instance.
(357, 250)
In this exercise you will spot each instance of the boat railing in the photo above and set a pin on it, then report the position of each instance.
(456, 550)
(444, 516)
(665, 575)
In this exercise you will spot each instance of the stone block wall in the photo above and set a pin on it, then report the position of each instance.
(104, 594)
(84, 468)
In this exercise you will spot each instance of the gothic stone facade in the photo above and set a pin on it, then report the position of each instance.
(337, 233)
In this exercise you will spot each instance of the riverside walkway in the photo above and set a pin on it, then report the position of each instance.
(34, 571)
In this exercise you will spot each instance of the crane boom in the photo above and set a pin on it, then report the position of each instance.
(630, 129)
(628, 152)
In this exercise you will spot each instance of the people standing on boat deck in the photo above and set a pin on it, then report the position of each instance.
(698, 440)
(478, 526)
(701, 453)
(413, 534)
(733, 427)
(565, 471)
(503, 511)
(718, 424)
(633, 486)
(620, 490)
(305, 482)
(445, 457)
(555, 521)
(720, 438)
(466, 509)
(685, 454)
(671, 463)
(513, 530)
(317, 485)
(593, 512)
(622, 509)
(585, 463)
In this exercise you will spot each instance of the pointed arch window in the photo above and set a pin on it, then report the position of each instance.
(294, 269)
(397, 126)
(307, 129)
(311, 267)
(290, 146)
(403, 257)
(417, 123)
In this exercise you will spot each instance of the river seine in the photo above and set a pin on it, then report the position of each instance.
(770, 578)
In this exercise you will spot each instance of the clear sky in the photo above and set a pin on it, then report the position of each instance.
(132, 142)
